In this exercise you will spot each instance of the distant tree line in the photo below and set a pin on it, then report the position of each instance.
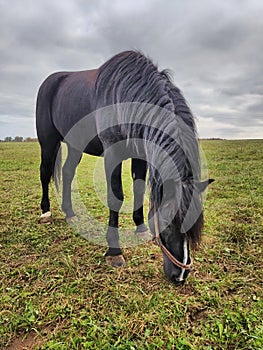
(19, 139)
(211, 138)
(34, 139)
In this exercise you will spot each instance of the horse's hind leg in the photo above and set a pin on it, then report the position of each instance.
(139, 169)
(115, 199)
(48, 156)
(68, 172)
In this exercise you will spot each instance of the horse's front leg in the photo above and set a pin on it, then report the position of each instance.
(139, 170)
(115, 198)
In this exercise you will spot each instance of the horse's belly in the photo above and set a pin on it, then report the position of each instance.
(94, 147)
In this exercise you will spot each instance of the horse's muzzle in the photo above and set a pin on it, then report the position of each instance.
(177, 282)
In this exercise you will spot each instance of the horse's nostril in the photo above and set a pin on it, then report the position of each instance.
(177, 282)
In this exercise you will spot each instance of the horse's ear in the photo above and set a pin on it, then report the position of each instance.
(202, 185)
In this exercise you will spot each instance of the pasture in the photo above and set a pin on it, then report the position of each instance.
(56, 291)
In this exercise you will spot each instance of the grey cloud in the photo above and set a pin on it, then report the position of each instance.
(257, 109)
(214, 50)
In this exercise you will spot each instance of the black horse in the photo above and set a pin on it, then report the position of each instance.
(127, 109)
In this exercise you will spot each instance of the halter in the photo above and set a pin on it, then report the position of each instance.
(164, 249)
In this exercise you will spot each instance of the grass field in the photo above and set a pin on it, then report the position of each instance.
(57, 293)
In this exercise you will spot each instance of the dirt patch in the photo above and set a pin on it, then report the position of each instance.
(25, 343)
(197, 314)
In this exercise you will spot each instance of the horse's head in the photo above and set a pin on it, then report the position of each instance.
(177, 224)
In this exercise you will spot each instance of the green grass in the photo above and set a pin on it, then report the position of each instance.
(56, 291)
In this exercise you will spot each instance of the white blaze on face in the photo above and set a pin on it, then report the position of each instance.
(185, 258)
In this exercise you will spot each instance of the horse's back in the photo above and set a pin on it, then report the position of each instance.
(64, 99)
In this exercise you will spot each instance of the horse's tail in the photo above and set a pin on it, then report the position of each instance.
(57, 166)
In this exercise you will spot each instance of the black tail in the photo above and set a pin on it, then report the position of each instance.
(57, 166)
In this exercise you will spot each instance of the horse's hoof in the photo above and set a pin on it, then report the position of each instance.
(46, 218)
(144, 236)
(115, 261)
(72, 219)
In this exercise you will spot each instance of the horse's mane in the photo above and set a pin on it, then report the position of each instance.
(132, 77)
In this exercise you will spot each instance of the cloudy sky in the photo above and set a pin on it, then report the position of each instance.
(213, 48)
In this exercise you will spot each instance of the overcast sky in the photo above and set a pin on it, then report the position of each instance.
(213, 48)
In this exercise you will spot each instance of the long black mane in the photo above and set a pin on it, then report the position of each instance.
(131, 77)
